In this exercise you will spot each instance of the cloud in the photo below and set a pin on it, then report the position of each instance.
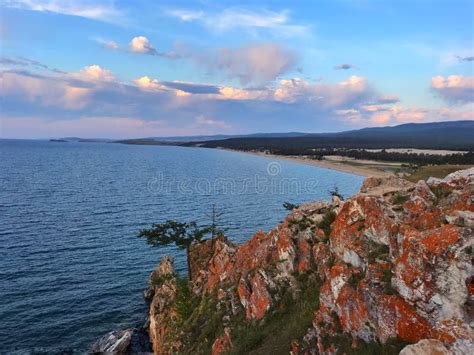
(91, 98)
(372, 115)
(387, 99)
(86, 127)
(186, 15)
(141, 44)
(344, 67)
(42, 90)
(340, 95)
(109, 44)
(256, 64)
(465, 59)
(205, 121)
(26, 62)
(146, 83)
(454, 88)
(191, 87)
(231, 93)
(103, 11)
(95, 73)
(240, 18)
(179, 87)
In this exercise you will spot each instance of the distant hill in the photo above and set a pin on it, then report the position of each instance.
(177, 139)
(453, 135)
(82, 140)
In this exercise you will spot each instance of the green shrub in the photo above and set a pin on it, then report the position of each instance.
(158, 280)
(387, 279)
(355, 278)
(441, 192)
(326, 222)
(399, 199)
(378, 251)
(290, 320)
(185, 301)
(337, 323)
(290, 206)
(343, 344)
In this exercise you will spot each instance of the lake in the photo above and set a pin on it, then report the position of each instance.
(71, 266)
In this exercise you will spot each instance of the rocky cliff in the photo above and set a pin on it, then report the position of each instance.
(388, 270)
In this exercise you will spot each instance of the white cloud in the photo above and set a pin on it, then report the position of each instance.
(186, 15)
(205, 121)
(340, 95)
(191, 108)
(95, 73)
(44, 91)
(87, 127)
(103, 11)
(240, 18)
(231, 93)
(391, 115)
(141, 44)
(256, 64)
(109, 44)
(454, 88)
(146, 83)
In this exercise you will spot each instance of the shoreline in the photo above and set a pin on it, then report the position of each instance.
(359, 169)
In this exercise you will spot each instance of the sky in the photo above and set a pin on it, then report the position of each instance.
(128, 69)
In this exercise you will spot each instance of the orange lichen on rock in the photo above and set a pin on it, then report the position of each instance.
(222, 344)
(396, 263)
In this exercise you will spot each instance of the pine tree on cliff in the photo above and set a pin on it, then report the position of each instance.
(215, 226)
(183, 235)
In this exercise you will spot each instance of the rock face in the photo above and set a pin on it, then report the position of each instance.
(162, 291)
(123, 341)
(390, 266)
(117, 342)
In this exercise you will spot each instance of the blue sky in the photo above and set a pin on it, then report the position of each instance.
(159, 68)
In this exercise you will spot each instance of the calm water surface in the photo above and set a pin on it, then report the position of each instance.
(71, 267)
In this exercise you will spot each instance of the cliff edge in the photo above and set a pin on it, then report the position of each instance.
(388, 270)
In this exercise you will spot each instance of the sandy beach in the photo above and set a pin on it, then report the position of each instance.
(362, 168)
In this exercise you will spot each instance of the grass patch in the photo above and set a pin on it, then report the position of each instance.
(355, 279)
(378, 251)
(158, 280)
(290, 320)
(302, 224)
(198, 321)
(185, 301)
(326, 222)
(441, 192)
(438, 171)
(387, 279)
(399, 199)
(344, 346)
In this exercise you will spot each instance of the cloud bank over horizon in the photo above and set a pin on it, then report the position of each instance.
(151, 70)
(94, 96)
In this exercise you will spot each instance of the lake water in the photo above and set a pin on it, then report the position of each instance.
(71, 266)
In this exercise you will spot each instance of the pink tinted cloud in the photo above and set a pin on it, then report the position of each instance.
(454, 88)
